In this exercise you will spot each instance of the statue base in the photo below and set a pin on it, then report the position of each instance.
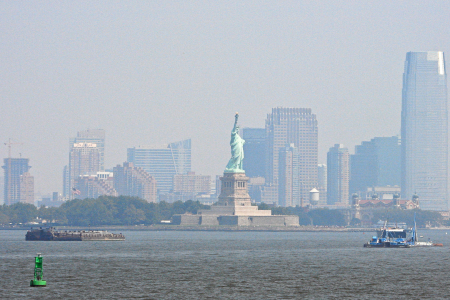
(234, 199)
(234, 207)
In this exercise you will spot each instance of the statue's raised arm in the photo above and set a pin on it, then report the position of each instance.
(237, 150)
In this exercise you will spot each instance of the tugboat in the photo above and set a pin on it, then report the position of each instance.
(51, 234)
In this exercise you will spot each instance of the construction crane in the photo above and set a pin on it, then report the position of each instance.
(9, 194)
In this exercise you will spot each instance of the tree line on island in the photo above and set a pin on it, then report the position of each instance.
(123, 210)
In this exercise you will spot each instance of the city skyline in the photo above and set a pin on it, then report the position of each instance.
(179, 70)
(187, 143)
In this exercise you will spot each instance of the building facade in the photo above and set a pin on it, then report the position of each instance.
(297, 126)
(375, 163)
(94, 186)
(92, 136)
(288, 177)
(424, 131)
(89, 137)
(163, 162)
(84, 159)
(2, 188)
(337, 175)
(66, 182)
(27, 188)
(192, 183)
(17, 181)
(135, 181)
(189, 186)
(254, 149)
(322, 183)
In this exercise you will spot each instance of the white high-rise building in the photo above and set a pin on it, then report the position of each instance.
(297, 126)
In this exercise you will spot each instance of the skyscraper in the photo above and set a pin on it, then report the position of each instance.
(288, 177)
(2, 188)
(375, 163)
(66, 182)
(425, 130)
(337, 175)
(26, 188)
(92, 136)
(254, 149)
(84, 159)
(95, 138)
(15, 183)
(163, 162)
(322, 183)
(297, 126)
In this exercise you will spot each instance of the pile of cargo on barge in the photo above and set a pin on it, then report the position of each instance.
(51, 234)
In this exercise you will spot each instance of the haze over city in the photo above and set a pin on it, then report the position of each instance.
(157, 72)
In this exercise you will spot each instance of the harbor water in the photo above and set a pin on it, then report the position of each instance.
(226, 265)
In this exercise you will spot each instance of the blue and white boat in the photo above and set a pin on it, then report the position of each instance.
(397, 238)
(389, 238)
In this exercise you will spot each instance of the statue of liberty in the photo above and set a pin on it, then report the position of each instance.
(237, 150)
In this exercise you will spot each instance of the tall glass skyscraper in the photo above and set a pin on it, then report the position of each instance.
(425, 130)
(254, 149)
(337, 175)
(163, 162)
(15, 169)
(375, 164)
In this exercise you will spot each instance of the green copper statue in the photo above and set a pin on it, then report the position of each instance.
(237, 150)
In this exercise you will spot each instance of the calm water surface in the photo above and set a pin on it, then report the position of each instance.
(226, 265)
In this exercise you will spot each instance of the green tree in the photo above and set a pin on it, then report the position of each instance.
(4, 219)
(123, 210)
(263, 206)
(21, 212)
(423, 217)
(52, 215)
(327, 217)
(132, 215)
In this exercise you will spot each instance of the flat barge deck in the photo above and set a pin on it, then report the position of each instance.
(51, 234)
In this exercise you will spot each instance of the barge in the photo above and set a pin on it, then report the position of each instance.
(51, 234)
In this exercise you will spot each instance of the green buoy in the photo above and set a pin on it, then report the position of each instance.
(38, 280)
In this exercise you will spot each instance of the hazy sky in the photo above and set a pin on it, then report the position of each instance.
(153, 72)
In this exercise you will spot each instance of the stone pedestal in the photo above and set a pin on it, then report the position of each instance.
(234, 208)
(234, 199)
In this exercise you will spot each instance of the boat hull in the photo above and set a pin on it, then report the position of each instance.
(385, 245)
